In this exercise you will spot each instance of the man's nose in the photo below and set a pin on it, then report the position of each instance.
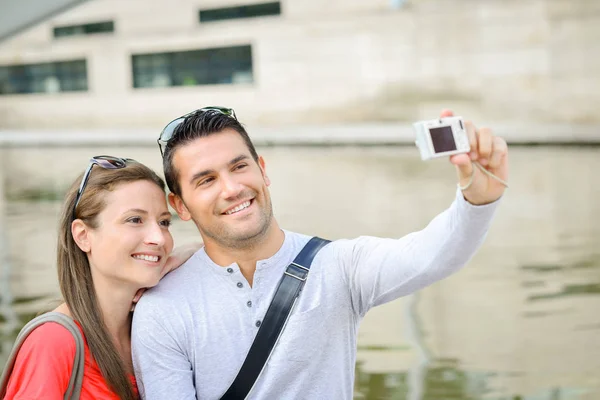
(230, 188)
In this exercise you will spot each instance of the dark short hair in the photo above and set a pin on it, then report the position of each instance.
(198, 125)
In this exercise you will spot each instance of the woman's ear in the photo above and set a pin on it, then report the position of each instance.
(80, 232)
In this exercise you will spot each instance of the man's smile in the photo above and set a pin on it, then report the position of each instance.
(240, 207)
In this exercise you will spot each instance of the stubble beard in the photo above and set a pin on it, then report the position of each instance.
(227, 237)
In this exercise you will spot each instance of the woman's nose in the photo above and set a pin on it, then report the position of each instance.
(155, 235)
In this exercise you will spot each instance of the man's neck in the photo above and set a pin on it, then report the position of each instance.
(247, 257)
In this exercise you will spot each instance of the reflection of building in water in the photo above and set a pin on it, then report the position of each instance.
(522, 319)
(526, 308)
(394, 363)
(131, 63)
(441, 380)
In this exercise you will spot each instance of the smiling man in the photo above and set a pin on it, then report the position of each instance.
(224, 191)
(191, 334)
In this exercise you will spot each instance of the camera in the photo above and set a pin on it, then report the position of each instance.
(441, 137)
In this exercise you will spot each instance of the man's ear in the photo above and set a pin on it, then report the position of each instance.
(81, 235)
(177, 203)
(261, 164)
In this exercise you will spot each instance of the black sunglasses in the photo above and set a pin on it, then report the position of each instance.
(106, 162)
(167, 132)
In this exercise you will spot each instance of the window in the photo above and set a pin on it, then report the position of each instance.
(86, 29)
(53, 77)
(225, 65)
(250, 11)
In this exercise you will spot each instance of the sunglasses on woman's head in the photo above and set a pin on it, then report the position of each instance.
(106, 162)
(167, 132)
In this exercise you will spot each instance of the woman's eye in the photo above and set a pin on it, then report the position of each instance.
(135, 220)
(166, 223)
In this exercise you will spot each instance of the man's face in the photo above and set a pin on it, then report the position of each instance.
(224, 191)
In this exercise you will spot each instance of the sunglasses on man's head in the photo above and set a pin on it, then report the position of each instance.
(167, 132)
(106, 162)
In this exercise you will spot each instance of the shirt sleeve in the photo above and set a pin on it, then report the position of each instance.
(43, 365)
(380, 270)
(162, 368)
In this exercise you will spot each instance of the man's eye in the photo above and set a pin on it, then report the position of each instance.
(205, 181)
(241, 166)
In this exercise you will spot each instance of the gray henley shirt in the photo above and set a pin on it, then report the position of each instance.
(191, 333)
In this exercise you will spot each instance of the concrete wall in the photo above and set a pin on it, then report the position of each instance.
(354, 61)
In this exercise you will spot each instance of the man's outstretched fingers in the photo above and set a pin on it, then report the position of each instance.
(446, 113)
(484, 138)
(137, 297)
(500, 149)
(470, 128)
(464, 168)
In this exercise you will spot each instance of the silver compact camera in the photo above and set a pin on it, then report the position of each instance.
(441, 137)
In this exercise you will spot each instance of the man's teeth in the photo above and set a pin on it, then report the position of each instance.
(239, 208)
(146, 258)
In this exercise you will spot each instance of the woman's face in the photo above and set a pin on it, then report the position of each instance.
(132, 241)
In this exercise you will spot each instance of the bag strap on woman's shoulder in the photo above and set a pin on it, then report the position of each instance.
(74, 389)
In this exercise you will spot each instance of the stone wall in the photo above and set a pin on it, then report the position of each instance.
(514, 61)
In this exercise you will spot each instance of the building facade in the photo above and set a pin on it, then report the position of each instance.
(134, 63)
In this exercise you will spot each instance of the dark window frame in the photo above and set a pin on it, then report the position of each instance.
(71, 76)
(198, 67)
(249, 11)
(92, 28)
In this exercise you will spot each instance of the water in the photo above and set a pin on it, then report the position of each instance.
(521, 321)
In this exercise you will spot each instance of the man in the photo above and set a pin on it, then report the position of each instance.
(192, 333)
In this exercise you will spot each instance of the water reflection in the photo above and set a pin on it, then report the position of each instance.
(443, 379)
(447, 382)
(520, 322)
(569, 290)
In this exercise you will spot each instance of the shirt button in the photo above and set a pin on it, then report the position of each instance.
(249, 303)
(240, 285)
(257, 324)
(230, 270)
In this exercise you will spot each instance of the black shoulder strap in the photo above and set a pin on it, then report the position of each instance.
(277, 315)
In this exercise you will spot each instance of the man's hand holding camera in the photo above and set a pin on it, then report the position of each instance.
(481, 159)
(491, 153)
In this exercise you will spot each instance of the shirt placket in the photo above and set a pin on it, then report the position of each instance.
(249, 295)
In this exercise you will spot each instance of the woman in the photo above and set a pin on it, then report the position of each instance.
(113, 240)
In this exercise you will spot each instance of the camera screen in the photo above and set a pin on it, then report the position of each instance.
(442, 139)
